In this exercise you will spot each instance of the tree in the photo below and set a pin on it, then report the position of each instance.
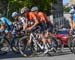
(66, 9)
(3, 7)
(16, 5)
(44, 5)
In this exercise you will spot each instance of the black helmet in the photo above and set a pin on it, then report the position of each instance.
(34, 8)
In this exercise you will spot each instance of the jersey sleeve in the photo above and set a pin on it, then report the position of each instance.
(8, 21)
(3, 20)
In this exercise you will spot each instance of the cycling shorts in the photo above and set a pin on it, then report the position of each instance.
(42, 27)
(49, 27)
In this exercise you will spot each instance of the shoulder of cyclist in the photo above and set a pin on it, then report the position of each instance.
(2, 19)
(6, 21)
(42, 16)
(32, 16)
(41, 13)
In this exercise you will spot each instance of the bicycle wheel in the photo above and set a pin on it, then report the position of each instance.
(4, 46)
(14, 45)
(54, 42)
(71, 44)
(23, 48)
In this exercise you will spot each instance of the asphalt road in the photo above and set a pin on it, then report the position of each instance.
(66, 55)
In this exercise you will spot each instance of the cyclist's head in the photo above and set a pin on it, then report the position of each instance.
(35, 8)
(24, 10)
(14, 14)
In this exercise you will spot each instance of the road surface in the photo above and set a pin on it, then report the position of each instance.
(66, 55)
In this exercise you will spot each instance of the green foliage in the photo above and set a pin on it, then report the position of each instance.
(16, 5)
(66, 9)
(42, 4)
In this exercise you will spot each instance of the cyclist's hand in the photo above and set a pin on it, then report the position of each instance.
(30, 28)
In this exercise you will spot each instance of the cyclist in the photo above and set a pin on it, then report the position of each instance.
(44, 24)
(31, 21)
(72, 12)
(19, 22)
(31, 18)
(6, 21)
(6, 25)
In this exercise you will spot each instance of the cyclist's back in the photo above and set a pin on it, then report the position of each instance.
(42, 17)
(6, 21)
(31, 18)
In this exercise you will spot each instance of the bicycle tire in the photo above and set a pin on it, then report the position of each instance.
(71, 44)
(24, 50)
(6, 41)
(14, 45)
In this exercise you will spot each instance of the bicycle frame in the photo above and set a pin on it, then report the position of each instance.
(33, 38)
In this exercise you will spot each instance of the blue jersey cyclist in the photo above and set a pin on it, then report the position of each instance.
(5, 21)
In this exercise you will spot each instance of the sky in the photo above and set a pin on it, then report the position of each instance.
(65, 1)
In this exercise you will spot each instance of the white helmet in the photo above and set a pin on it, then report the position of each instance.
(14, 14)
(34, 8)
(24, 9)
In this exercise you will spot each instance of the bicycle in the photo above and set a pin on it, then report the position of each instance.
(4, 44)
(23, 48)
(72, 42)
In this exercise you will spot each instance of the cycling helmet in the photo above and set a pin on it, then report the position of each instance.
(14, 14)
(34, 8)
(24, 9)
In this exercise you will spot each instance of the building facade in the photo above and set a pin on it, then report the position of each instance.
(58, 12)
(72, 2)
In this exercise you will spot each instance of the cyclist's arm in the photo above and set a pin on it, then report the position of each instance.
(71, 22)
(25, 24)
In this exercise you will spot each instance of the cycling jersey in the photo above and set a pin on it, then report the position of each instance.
(17, 24)
(42, 17)
(22, 19)
(1, 22)
(6, 21)
(44, 23)
(31, 18)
